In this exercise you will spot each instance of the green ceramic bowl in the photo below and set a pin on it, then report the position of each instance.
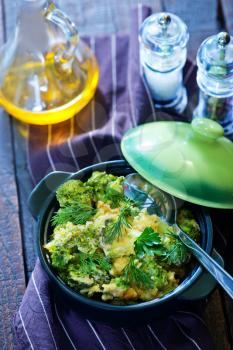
(43, 203)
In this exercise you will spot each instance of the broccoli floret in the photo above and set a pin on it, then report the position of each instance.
(72, 192)
(93, 267)
(99, 181)
(99, 187)
(107, 188)
(60, 258)
(188, 224)
(159, 276)
(75, 278)
(68, 239)
(115, 192)
(177, 253)
(61, 237)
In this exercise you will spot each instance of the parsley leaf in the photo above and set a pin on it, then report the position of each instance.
(149, 242)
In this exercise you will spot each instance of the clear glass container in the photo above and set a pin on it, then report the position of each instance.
(47, 73)
(215, 81)
(163, 39)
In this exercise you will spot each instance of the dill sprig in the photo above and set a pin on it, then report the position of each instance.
(77, 213)
(115, 229)
(89, 263)
(136, 276)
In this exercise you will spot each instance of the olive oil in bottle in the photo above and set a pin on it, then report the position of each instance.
(48, 73)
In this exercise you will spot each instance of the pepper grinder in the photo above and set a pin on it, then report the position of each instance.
(215, 81)
(163, 39)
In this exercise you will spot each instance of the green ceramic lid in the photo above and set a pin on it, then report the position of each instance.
(193, 162)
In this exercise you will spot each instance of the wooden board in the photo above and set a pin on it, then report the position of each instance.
(24, 189)
(225, 225)
(213, 315)
(12, 277)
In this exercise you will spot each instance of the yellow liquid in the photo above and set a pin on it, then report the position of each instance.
(64, 94)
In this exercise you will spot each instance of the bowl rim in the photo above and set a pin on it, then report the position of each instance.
(42, 227)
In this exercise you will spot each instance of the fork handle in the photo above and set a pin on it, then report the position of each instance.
(221, 276)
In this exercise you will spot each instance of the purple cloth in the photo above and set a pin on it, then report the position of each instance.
(43, 324)
(121, 102)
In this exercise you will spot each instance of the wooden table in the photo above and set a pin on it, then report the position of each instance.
(17, 254)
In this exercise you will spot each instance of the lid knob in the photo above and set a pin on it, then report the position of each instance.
(207, 128)
(164, 20)
(223, 39)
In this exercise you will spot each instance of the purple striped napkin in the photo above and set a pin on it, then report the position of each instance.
(121, 102)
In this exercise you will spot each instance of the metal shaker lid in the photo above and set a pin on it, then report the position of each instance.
(163, 33)
(215, 56)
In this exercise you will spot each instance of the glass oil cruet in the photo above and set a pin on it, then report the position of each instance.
(215, 81)
(163, 39)
(47, 73)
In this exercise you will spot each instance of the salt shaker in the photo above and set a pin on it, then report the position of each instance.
(163, 39)
(215, 81)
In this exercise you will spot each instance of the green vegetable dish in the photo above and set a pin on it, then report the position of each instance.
(105, 247)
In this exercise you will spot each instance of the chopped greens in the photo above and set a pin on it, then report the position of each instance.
(106, 246)
(177, 253)
(89, 263)
(136, 276)
(149, 243)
